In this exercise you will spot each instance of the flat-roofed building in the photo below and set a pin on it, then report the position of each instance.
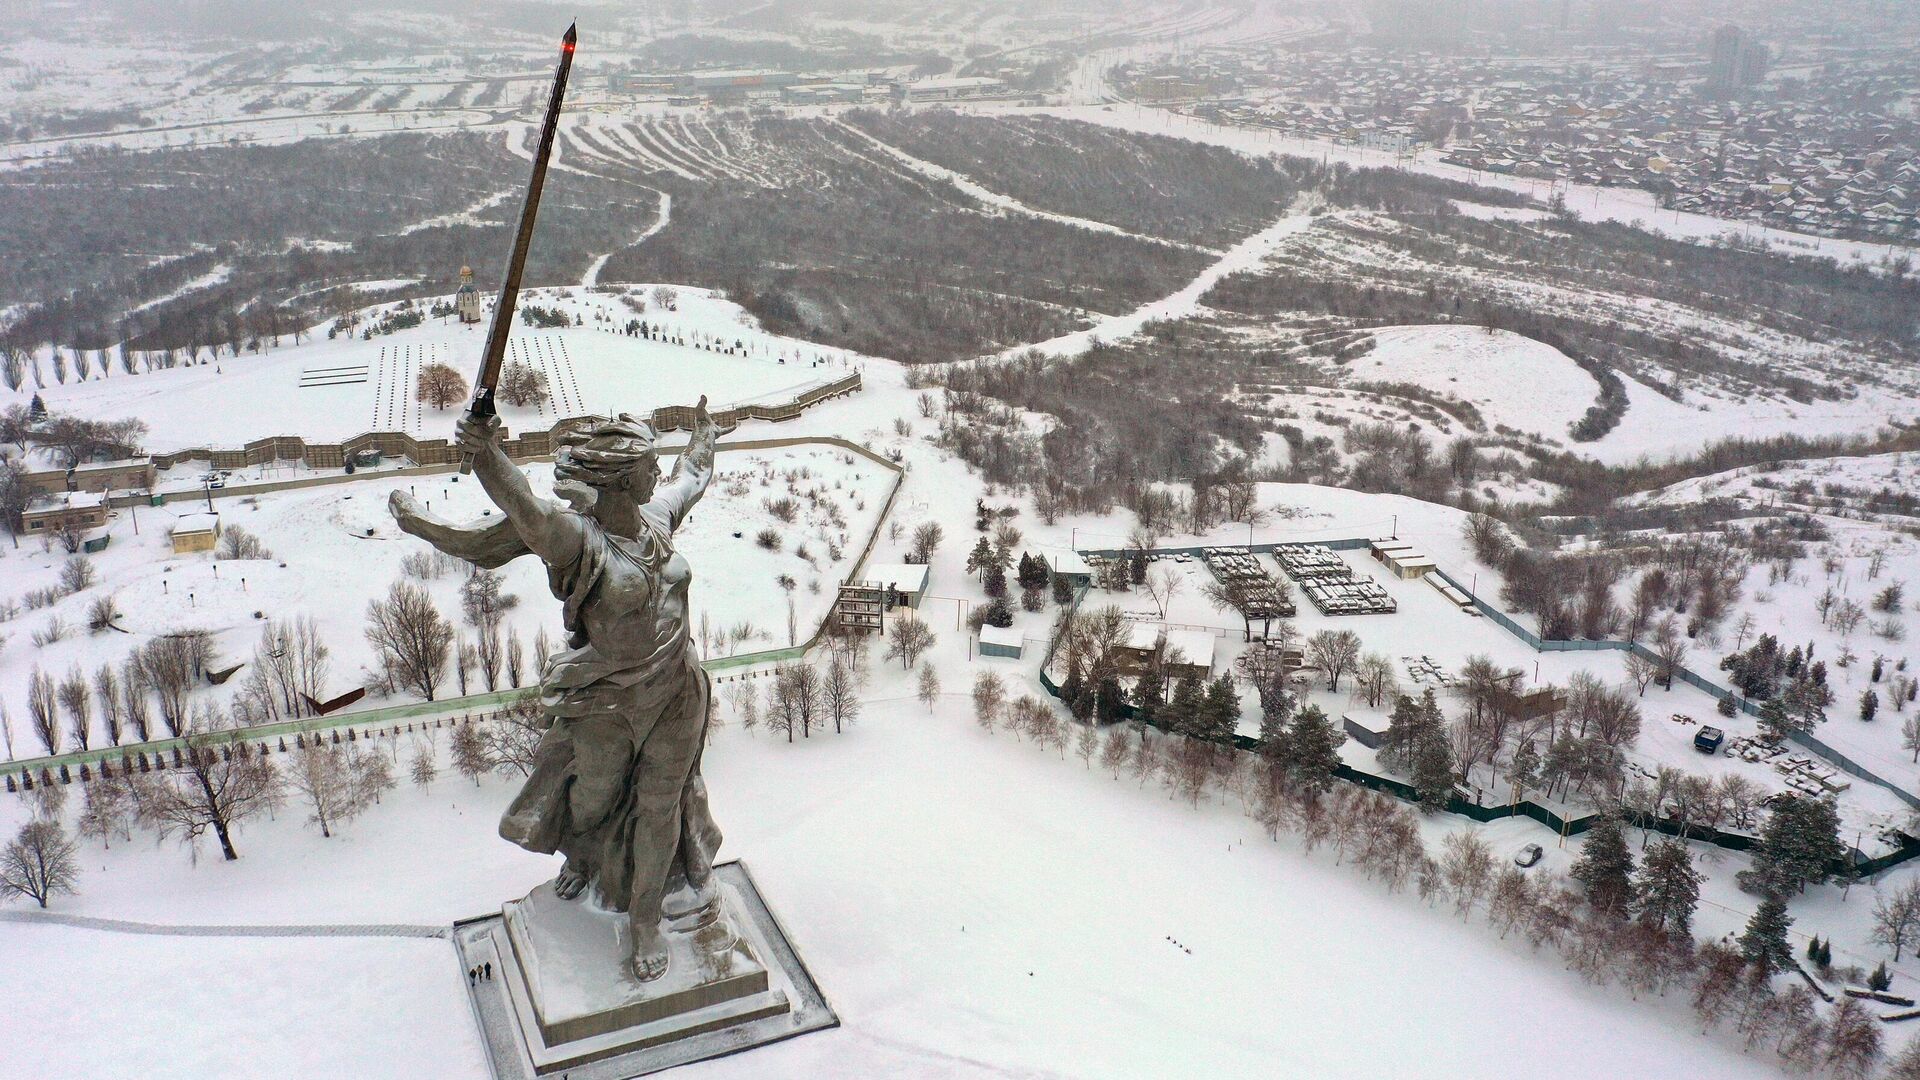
(64, 510)
(195, 532)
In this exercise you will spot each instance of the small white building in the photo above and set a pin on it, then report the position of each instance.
(1004, 641)
(1190, 652)
(195, 532)
(907, 579)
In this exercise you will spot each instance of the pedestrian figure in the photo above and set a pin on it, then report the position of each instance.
(472, 979)
(489, 971)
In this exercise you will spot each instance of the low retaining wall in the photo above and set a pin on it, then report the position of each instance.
(530, 444)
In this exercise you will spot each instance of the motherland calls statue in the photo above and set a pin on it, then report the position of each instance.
(616, 784)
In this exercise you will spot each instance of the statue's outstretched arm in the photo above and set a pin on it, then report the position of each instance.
(549, 529)
(694, 471)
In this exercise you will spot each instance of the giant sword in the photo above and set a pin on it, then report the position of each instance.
(502, 325)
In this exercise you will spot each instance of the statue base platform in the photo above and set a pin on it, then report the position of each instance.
(563, 999)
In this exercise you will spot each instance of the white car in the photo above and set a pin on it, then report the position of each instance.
(1528, 856)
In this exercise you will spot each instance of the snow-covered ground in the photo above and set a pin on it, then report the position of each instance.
(335, 548)
(972, 906)
(591, 368)
(1838, 492)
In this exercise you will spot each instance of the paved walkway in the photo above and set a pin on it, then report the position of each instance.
(122, 926)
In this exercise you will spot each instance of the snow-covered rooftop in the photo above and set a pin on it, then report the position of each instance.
(906, 577)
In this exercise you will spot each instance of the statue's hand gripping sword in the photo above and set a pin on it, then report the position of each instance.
(502, 324)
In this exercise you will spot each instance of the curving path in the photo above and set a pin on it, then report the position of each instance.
(123, 926)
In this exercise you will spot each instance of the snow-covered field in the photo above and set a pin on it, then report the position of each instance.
(335, 548)
(1839, 493)
(972, 906)
(591, 368)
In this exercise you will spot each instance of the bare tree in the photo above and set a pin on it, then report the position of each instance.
(1671, 647)
(469, 751)
(411, 637)
(439, 385)
(1163, 584)
(1641, 671)
(108, 812)
(484, 606)
(1375, 674)
(1466, 864)
(522, 385)
(1333, 652)
(222, 784)
(77, 699)
(43, 710)
(106, 691)
(512, 739)
(989, 694)
(911, 637)
(926, 540)
(515, 658)
(168, 666)
(421, 766)
(1896, 918)
(928, 690)
(133, 697)
(39, 863)
(324, 776)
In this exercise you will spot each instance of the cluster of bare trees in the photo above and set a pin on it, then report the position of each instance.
(288, 675)
(163, 671)
(808, 695)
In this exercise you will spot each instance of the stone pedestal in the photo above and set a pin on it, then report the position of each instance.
(563, 998)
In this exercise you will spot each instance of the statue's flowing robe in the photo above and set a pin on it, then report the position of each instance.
(616, 782)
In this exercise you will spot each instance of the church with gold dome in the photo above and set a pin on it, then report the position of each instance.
(466, 302)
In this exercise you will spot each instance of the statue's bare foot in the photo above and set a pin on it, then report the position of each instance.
(649, 953)
(570, 882)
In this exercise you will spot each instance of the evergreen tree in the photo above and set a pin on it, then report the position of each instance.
(1764, 942)
(1524, 773)
(1825, 959)
(1799, 846)
(1775, 722)
(1879, 667)
(994, 580)
(1312, 748)
(1276, 710)
(1183, 712)
(1869, 705)
(1432, 769)
(1403, 731)
(1879, 980)
(1032, 573)
(1605, 866)
(1667, 889)
(1137, 568)
(1112, 697)
(999, 612)
(1220, 715)
(980, 556)
(1149, 695)
(1062, 591)
(1075, 687)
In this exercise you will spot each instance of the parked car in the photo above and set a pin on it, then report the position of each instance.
(1528, 856)
(1708, 739)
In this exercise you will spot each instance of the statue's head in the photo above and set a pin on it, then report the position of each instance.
(603, 457)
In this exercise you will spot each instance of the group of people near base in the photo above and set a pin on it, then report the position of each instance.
(480, 973)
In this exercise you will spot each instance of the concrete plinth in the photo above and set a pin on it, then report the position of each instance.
(563, 998)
